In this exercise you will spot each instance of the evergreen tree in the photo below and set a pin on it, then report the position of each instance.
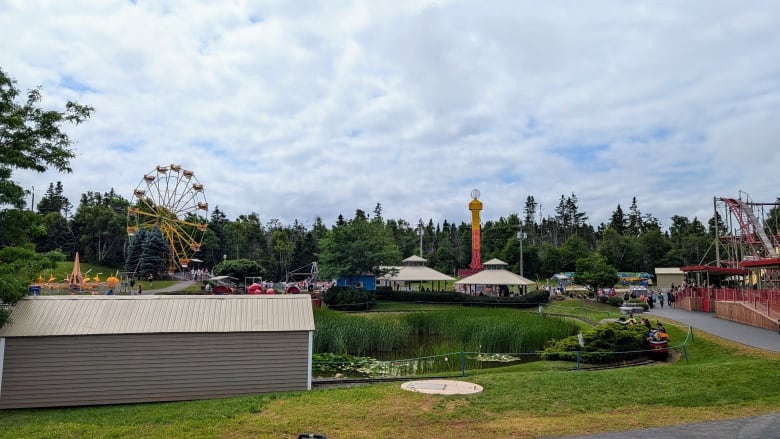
(635, 226)
(54, 201)
(530, 212)
(134, 253)
(213, 246)
(618, 221)
(156, 255)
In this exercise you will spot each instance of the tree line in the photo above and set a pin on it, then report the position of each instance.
(630, 241)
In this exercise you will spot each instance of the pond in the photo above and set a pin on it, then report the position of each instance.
(329, 365)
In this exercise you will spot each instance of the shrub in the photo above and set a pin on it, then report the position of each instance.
(615, 300)
(602, 344)
(529, 300)
(349, 298)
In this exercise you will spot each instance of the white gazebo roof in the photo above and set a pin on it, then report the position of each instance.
(495, 274)
(414, 269)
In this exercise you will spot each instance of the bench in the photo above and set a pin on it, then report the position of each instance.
(631, 310)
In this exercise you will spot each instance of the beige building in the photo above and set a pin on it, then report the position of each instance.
(666, 277)
(90, 350)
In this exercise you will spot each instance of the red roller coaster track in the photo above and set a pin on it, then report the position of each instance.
(752, 232)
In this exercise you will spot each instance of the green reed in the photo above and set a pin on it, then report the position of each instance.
(431, 332)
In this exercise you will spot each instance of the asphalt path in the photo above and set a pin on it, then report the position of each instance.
(178, 286)
(708, 322)
(756, 427)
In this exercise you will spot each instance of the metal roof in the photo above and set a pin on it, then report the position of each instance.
(416, 273)
(93, 315)
(495, 277)
(668, 270)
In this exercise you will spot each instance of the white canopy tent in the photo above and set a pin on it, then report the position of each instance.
(413, 270)
(495, 273)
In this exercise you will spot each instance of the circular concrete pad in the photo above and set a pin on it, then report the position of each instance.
(442, 387)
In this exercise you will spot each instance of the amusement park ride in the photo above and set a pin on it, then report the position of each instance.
(172, 199)
(167, 197)
(749, 243)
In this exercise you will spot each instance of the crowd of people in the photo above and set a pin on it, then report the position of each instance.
(653, 298)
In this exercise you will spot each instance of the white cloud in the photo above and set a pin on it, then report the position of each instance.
(302, 109)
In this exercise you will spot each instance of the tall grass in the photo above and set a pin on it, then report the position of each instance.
(431, 332)
(490, 329)
(358, 334)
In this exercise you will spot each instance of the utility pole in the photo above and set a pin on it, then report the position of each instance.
(420, 232)
(520, 237)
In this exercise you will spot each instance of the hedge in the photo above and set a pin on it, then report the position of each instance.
(526, 301)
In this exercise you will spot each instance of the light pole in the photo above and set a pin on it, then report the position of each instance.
(520, 237)
(420, 233)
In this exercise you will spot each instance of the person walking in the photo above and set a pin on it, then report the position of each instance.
(661, 300)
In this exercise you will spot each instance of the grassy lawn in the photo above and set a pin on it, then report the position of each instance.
(89, 270)
(721, 380)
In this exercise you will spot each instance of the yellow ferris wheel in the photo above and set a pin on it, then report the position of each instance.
(172, 199)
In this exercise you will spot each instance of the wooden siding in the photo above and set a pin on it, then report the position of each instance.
(113, 369)
(739, 312)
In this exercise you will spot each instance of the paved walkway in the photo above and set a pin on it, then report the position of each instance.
(179, 286)
(708, 322)
(756, 427)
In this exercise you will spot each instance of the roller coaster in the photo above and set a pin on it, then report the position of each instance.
(748, 233)
(748, 237)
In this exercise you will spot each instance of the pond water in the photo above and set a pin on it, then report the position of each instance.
(449, 364)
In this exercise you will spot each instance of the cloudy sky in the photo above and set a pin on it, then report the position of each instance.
(299, 109)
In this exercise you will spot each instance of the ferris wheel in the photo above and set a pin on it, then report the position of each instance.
(172, 199)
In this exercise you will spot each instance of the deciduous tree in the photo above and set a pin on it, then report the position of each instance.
(32, 138)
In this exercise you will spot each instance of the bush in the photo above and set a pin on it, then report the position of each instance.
(615, 300)
(529, 300)
(603, 344)
(349, 298)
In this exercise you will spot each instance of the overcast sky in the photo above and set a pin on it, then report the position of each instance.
(299, 109)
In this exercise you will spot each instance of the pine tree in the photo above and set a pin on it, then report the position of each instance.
(618, 220)
(53, 201)
(134, 253)
(155, 256)
(635, 226)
